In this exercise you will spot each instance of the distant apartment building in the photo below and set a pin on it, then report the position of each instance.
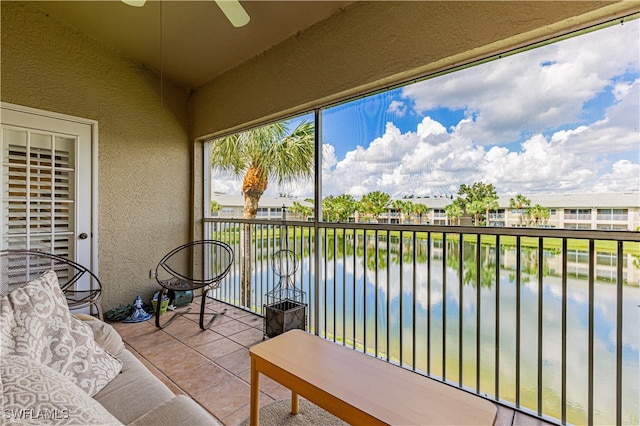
(602, 211)
(269, 208)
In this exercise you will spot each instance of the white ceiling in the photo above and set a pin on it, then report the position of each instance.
(198, 43)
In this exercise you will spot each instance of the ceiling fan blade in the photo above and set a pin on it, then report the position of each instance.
(232, 9)
(234, 12)
(136, 3)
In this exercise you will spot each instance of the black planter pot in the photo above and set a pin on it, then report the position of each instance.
(283, 316)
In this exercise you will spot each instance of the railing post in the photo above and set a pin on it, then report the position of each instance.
(317, 200)
(619, 325)
(592, 277)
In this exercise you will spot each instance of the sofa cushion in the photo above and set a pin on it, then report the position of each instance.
(33, 393)
(104, 334)
(36, 323)
(179, 410)
(134, 392)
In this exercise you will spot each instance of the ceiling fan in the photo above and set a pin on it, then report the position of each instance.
(232, 9)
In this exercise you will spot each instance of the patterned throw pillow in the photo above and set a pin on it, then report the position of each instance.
(104, 334)
(33, 393)
(36, 324)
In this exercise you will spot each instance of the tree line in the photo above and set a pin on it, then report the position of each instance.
(479, 199)
(368, 208)
(476, 201)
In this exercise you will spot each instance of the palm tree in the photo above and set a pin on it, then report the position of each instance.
(339, 208)
(419, 210)
(215, 207)
(344, 206)
(475, 208)
(375, 203)
(258, 155)
(301, 210)
(454, 211)
(539, 214)
(478, 198)
(328, 208)
(520, 202)
(401, 207)
(406, 210)
(490, 204)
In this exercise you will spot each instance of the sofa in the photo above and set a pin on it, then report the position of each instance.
(63, 368)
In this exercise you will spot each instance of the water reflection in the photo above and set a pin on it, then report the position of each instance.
(395, 299)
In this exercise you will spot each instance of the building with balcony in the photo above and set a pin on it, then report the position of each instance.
(270, 208)
(603, 211)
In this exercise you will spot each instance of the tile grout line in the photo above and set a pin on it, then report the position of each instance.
(184, 391)
(251, 325)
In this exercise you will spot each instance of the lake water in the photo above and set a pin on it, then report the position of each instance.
(362, 305)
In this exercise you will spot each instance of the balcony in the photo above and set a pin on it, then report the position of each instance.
(581, 216)
(510, 314)
(221, 355)
(613, 217)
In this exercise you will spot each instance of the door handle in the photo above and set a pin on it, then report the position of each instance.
(83, 236)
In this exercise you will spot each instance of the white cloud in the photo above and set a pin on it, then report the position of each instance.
(223, 184)
(427, 161)
(539, 166)
(617, 132)
(518, 98)
(399, 109)
(625, 176)
(328, 156)
(523, 95)
(536, 90)
(432, 161)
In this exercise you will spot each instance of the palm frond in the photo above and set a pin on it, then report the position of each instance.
(228, 154)
(293, 156)
(284, 156)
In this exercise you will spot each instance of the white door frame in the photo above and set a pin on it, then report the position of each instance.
(94, 167)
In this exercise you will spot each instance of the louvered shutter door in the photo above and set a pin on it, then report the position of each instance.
(38, 191)
(47, 186)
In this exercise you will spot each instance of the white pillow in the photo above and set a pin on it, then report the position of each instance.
(36, 324)
(33, 393)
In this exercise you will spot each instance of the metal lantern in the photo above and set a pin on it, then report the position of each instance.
(285, 307)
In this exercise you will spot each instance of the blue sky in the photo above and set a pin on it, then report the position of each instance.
(557, 119)
(371, 115)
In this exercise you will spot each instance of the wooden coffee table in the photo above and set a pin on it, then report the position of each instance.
(358, 388)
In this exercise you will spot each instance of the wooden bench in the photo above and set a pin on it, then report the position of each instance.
(358, 388)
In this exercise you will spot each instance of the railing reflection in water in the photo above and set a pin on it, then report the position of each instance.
(543, 321)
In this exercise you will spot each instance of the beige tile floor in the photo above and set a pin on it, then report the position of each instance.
(213, 366)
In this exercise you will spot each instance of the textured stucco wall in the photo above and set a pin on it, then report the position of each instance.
(371, 44)
(144, 151)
